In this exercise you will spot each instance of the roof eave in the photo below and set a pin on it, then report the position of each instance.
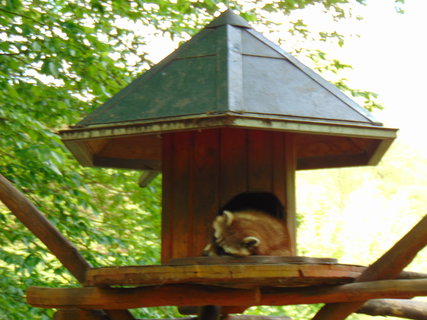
(197, 122)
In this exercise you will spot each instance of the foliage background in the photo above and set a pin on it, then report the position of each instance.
(61, 59)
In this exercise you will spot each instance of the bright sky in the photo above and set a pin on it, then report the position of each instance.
(390, 58)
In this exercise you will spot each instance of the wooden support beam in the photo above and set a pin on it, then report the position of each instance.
(252, 317)
(78, 314)
(40, 226)
(119, 314)
(192, 310)
(235, 317)
(387, 267)
(400, 308)
(408, 309)
(37, 223)
(129, 298)
(187, 295)
(209, 313)
(399, 289)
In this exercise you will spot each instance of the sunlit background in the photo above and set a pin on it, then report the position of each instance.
(358, 213)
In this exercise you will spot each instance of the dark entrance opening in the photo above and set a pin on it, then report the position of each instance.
(259, 201)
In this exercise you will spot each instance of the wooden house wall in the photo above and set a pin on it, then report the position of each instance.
(203, 170)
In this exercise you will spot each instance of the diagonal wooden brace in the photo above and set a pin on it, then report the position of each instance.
(387, 267)
(37, 223)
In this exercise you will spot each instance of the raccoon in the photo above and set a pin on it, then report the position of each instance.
(248, 232)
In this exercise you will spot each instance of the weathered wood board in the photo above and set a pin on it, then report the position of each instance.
(233, 275)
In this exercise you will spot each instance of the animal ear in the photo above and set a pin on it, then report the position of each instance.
(228, 216)
(251, 242)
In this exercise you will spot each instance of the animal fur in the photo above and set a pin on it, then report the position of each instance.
(248, 232)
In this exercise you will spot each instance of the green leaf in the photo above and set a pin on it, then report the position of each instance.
(13, 4)
(36, 46)
(102, 211)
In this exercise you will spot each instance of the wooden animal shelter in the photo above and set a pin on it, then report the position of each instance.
(227, 119)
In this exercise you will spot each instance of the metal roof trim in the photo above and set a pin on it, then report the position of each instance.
(198, 122)
(236, 112)
(229, 17)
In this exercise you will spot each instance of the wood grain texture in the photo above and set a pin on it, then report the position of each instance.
(196, 295)
(388, 266)
(408, 309)
(205, 188)
(361, 291)
(260, 160)
(129, 298)
(290, 203)
(233, 164)
(233, 275)
(279, 171)
(183, 176)
(167, 195)
(204, 170)
(135, 147)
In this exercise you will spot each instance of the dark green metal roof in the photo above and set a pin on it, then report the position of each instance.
(229, 75)
(228, 68)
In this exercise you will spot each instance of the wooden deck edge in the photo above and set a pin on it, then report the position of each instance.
(231, 275)
(188, 295)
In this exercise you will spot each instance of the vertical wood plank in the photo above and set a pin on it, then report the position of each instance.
(182, 222)
(205, 187)
(167, 196)
(233, 163)
(290, 195)
(260, 163)
(279, 176)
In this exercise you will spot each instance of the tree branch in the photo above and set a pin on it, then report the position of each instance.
(21, 15)
(408, 309)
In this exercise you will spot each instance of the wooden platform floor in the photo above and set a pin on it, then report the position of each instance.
(234, 284)
(234, 273)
